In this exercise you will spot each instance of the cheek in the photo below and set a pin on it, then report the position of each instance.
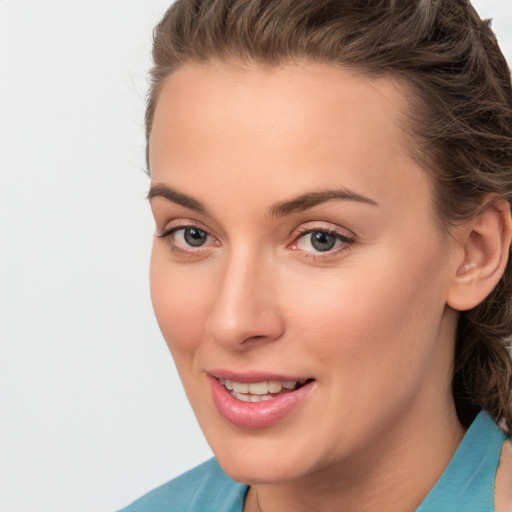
(388, 313)
(372, 337)
(180, 299)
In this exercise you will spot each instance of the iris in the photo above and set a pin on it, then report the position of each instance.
(195, 237)
(322, 241)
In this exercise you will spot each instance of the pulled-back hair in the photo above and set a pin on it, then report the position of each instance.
(460, 118)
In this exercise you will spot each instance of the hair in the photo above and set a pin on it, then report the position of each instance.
(460, 118)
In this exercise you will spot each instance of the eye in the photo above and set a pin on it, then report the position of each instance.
(194, 237)
(319, 240)
(316, 241)
(187, 239)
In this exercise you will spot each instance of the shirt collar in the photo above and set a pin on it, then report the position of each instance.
(467, 483)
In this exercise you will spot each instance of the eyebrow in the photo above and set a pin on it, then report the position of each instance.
(310, 199)
(161, 190)
(280, 209)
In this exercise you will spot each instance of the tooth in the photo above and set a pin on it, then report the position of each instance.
(241, 387)
(258, 388)
(290, 384)
(242, 397)
(228, 383)
(274, 386)
(222, 381)
(260, 398)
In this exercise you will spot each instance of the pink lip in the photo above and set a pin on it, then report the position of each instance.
(257, 414)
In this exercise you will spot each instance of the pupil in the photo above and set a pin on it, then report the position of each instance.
(194, 237)
(322, 241)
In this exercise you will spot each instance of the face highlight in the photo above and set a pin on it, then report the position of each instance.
(298, 274)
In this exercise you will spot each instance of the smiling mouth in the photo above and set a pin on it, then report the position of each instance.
(261, 391)
(259, 403)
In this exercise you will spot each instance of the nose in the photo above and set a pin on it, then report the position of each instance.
(246, 308)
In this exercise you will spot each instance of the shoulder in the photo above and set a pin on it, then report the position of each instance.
(197, 490)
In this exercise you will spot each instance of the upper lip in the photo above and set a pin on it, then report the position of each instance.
(254, 376)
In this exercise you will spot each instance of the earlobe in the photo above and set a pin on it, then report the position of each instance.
(486, 242)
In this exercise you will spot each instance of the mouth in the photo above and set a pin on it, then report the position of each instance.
(261, 391)
(259, 403)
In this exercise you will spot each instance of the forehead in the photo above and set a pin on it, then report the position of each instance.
(289, 95)
(305, 125)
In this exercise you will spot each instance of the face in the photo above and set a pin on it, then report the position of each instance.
(298, 274)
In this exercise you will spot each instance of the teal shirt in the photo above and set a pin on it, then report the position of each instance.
(467, 484)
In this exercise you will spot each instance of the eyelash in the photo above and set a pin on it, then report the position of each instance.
(346, 242)
(167, 233)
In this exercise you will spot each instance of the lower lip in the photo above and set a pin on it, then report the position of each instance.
(257, 414)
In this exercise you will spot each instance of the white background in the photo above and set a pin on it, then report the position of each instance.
(91, 411)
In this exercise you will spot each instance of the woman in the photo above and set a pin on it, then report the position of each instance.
(331, 184)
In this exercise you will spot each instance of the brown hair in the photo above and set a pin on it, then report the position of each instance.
(461, 118)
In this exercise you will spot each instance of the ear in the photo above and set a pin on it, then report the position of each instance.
(485, 241)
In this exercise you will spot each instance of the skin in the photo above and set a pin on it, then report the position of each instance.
(368, 320)
(503, 489)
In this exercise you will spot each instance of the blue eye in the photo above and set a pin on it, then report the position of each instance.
(187, 238)
(193, 236)
(321, 241)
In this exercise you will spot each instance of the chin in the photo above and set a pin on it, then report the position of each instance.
(259, 472)
(261, 461)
